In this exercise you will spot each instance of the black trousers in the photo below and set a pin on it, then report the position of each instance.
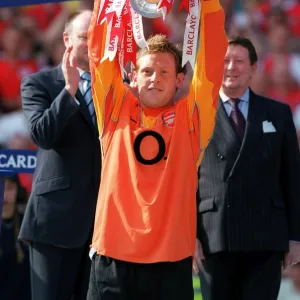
(59, 273)
(112, 279)
(241, 276)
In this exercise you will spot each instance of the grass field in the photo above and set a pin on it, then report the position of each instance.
(197, 289)
(287, 291)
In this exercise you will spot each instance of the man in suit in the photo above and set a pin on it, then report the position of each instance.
(59, 218)
(249, 191)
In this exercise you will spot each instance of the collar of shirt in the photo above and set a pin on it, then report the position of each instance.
(244, 97)
(80, 71)
(243, 105)
(81, 82)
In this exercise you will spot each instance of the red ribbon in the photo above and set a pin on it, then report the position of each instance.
(122, 27)
(129, 42)
(104, 14)
(117, 29)
(166, 3)
(185, 4)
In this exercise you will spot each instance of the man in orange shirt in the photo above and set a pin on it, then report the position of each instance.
(145, 226)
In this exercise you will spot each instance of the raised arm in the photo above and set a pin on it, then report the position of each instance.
(208, 71)
(106, 75)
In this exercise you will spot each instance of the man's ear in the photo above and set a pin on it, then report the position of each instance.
(66, 39)
(254, 68)
(179, 80)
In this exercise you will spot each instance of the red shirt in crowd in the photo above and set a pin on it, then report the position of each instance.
(11, 75)
(292, 97)
(292, 11)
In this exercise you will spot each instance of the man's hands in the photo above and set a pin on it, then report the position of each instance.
(71, 73)
(293, 256)
(132, 86)
(293, 273)
(198, 257)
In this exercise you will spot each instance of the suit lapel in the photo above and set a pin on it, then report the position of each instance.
(83, 108)
(253, 133)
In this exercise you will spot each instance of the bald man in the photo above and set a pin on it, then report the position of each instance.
(59, 218)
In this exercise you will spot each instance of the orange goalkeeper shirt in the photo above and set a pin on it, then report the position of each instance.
(146, 210)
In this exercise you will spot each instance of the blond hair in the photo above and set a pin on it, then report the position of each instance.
(159, 44)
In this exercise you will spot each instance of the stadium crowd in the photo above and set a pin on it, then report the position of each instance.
(31, 40)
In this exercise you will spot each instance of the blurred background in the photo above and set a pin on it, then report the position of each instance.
(31, 40)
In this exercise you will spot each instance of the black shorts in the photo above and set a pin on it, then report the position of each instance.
(112, 279)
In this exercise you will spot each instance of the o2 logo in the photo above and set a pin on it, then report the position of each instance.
(161, 147)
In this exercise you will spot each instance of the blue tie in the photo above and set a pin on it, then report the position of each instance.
(87, 95)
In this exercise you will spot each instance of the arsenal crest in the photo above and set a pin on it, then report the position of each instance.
(169, 118)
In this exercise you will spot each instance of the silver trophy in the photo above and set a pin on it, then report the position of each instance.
(146, 8)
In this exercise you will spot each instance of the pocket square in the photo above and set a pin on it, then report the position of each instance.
(268, 127)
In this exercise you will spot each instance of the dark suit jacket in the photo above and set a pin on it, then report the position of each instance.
(62, 204)
(249, 193)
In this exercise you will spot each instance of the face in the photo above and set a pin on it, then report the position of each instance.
(10, 197)
(12, 39)
(279, 39)
(238, 71)
(76, 37)
(275, 19)
(281, 77)
(156, 79)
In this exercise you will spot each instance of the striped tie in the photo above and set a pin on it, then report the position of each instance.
(87, 95)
